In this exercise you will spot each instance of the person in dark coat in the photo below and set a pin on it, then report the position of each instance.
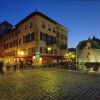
(15, 65)
(21, 65)
(1, 67)
(8, 65)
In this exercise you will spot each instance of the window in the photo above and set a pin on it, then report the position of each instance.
(49, 27)
(4, 46)
(55, 51)
(10, 45)
(32, 35)
(25, 27)
(28, 38)
(62, 36)
(53, 40)
(58, 35)
(31, 51)
(18, 30)
(46, 50)
(43, 24)
(54, 29)
(31, 24)
(41, 50)
(52, 51)
(13, 43)
(42, 36)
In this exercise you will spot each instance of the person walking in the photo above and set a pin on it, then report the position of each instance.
(21, 65)
(15, 65)
(1, 67)
(8, 65)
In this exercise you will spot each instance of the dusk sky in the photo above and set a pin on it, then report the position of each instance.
(81, 17)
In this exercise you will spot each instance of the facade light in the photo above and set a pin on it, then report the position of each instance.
(49, 48)
(40, 59)
(20, 53)
(34, 57)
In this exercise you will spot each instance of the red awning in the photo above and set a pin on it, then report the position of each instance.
(53, 57)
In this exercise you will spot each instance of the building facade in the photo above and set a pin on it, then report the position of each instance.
(36, 37)
(88, 51)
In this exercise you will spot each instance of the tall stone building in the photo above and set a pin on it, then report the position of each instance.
(36, 36)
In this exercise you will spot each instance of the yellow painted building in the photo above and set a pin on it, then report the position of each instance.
(36, 37)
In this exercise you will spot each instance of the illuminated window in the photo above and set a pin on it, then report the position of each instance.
(31, 50)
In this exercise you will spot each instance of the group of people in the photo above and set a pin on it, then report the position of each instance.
(15, 65)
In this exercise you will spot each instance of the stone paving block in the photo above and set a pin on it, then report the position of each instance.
(49, 84)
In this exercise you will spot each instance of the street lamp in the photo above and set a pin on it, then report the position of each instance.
(33, 57)
(49, 48)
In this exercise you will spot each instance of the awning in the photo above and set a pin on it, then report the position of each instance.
(53, 57)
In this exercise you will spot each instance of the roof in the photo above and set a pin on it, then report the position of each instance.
(71, 49)
(6, 23)
(40, 14)
(95, 43)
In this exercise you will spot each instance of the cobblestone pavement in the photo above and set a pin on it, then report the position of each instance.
(49, 84)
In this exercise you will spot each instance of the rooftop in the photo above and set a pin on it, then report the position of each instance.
(95, 43)
(40, 14)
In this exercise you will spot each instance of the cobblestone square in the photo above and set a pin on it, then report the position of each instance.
(49, 84)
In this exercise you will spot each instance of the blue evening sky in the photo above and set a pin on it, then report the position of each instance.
(81, 17)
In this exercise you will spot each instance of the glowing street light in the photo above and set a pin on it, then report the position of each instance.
(49, 48)
(73, 56)
(34, 57)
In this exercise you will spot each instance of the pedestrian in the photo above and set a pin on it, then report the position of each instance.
(29, 63)
(15, 65)
(1, 67)
(21, 65)
(8, 65)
